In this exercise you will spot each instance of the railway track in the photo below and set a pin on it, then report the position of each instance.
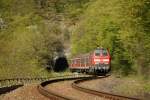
(5, 82)
(7, 85)
(76, 85)
(53, 95)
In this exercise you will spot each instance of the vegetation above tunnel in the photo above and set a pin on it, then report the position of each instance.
(33, 32)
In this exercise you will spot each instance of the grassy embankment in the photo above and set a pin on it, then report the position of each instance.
(133, 86)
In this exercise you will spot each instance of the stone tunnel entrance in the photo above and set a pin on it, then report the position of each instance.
(61, 64)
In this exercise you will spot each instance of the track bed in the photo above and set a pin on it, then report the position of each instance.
(65, 88)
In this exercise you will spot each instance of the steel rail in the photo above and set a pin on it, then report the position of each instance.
(110, 96)
(4, 90)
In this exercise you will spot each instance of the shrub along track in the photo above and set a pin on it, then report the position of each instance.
(75, 85)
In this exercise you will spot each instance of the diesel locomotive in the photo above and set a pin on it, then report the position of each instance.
(97, 61)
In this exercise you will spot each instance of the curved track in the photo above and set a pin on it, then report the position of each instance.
(57, 96)
(19, 81)
(7, 85)
(54, 95)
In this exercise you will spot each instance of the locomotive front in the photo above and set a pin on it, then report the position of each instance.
(101, 60)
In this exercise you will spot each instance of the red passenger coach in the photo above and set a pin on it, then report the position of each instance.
(97, 61)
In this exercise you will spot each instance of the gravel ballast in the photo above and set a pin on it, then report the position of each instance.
(27, 92)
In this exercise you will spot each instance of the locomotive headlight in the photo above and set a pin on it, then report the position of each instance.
(97, 60)
(106, 60)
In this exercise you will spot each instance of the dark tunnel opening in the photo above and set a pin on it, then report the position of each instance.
(61, 64)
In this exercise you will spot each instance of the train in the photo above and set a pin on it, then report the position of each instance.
(97, 61)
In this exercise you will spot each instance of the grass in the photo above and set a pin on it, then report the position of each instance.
(133, 86)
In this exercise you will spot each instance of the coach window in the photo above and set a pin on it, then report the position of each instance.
(73, 61)
(82, 61)
(76, 61)
(79, 60)
(97, 52)
(87, 60)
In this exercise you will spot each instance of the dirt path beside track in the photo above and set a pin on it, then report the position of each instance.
(27, 92)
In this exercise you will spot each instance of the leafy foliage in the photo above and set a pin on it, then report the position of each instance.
(121, 26)
(28, 41)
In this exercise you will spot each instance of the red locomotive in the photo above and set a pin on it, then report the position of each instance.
(97, 61)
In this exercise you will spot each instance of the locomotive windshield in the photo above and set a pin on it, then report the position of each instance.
(102, 52)
(97, 52)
